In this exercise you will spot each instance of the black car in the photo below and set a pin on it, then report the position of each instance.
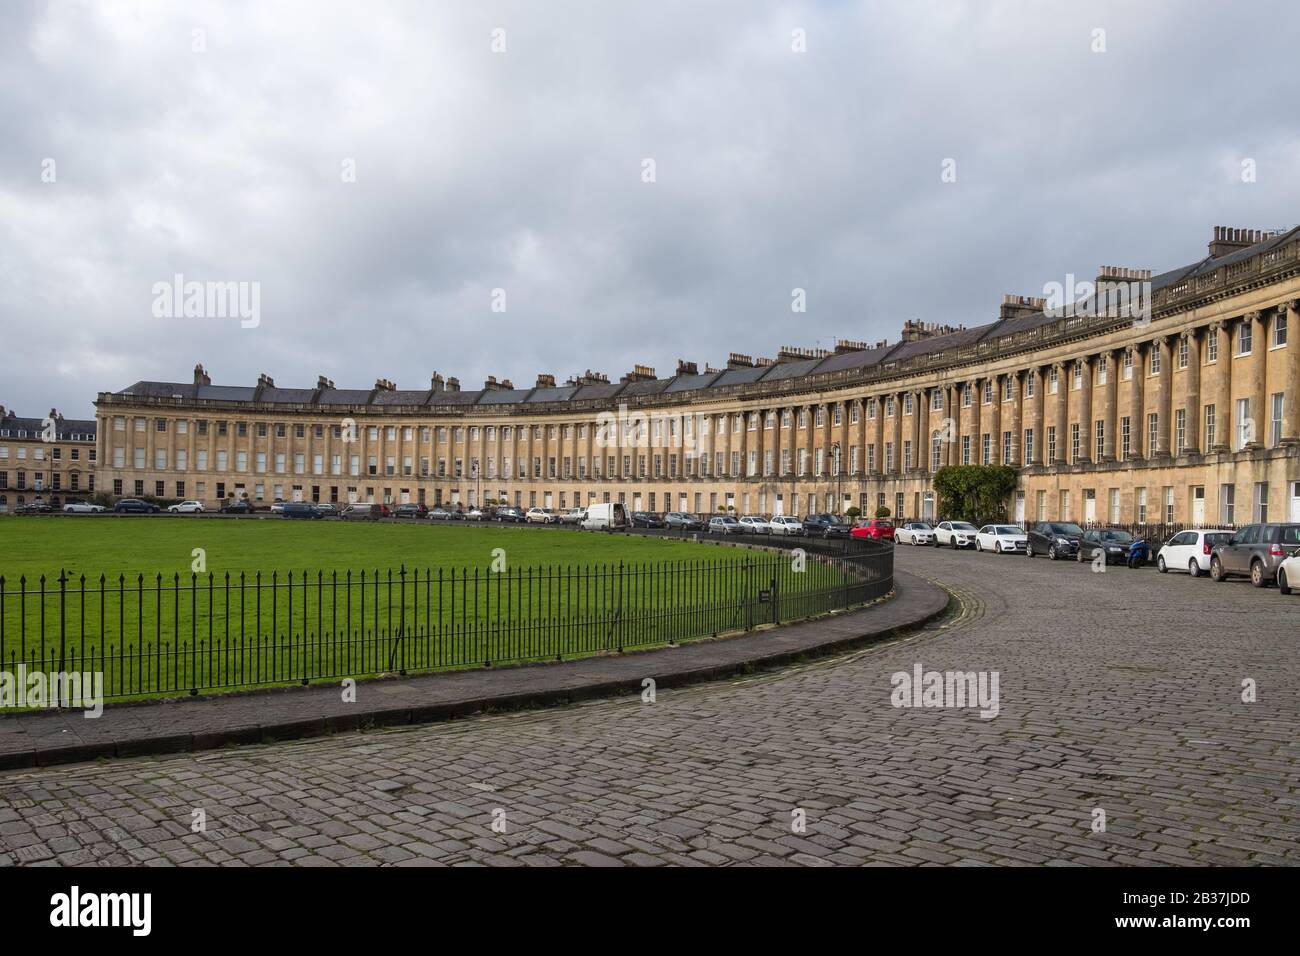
(1056, 539)
(300, 509)
(232, 506)
(134, 506)
(681, 521)
(508, 515)
(410, 511)
(826, 526)
(36, 508)
(1112, 542)
(646, 519)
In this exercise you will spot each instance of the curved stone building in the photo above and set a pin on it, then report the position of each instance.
(1170, 397)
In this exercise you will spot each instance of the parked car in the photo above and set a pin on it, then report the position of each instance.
(682, 521)
(277, 506)
(877, 529)
(438, 513)
(299, 509)
(186, 508)
(1191, 550)
(82, 508)
(505, 515)
(365, 510)
(646, 519)
(1256, 550)
(572, 516)
(236, 506)
(606, 516)
(474, 514)
(410, 510)
(752, 524)
(1114, 543)
(1001, 539)
(540, 516)
(787, 525)
(134, 506)
(34, 508)
(327, 509)
(1288, 573)
(914, 532)
(724, 524)
(955, 534)
(826, 526)
(1056, 539)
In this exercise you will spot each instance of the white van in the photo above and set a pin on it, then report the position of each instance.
(608, 516)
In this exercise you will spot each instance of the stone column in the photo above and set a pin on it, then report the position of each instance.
(896, 434)
(1038, 418)
(1062, 415)
(1222, 387)
(1137, 407)
(995, 423)
(1110, 419)
(1192, 398)
(1259, 410)
(879, 437)
(1291, 381)
(918, 453)
(1015, 426)
(950, 435)
(1164, 408)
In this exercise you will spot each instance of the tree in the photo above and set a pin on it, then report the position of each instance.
(883, 512)
(853, 512)
(974, 493)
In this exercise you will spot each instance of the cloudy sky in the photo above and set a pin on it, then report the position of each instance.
(379, 169)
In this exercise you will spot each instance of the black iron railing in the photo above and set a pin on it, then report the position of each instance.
(162, 636)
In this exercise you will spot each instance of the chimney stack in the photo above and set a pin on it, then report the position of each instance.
(545, 380)
(687, 368)
(265, 381)
(639, 373)
(737, 360)
(201, 376)
(453, 384)
(1014, 306)
(791, 353)
(323, 383)
(848, 345)
(1227, 239)
(435, 383)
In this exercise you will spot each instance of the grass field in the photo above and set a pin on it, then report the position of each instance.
(324, 599)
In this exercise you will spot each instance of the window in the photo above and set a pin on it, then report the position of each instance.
(1103, 367)
(1128, 366)
(1051, 381)
(1006, 448)
(1029, 385)
(1078, 376)
(1261, 501)
(1245, 430)
(1228, 503)
(1114, 506)
(965, 449)
(1275, 419)
(1029, 443)
(1279, 330)
(988, 391)
(1169, 505)
(1142, 506)
(1155, 360)
(966, 396)
(1212, 347)
(1125, 434)
(1182, 352)
(1051, 443)
(1153, 432)
(1180, 430)
(1074, 443)
(1244, 335)
(1209, 427)
(1100, 443)
(936, 400)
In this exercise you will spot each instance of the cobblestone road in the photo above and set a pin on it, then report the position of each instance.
(1119, 692)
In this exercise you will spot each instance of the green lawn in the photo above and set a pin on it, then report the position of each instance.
(331, 599)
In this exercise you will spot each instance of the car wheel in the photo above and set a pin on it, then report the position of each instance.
(1160, 565)
(1051, 552)
(1029, 550)
(978, 546)
(1216, 570)
(998, 549)
(1257, 574)
(1282, 584)
(1194, 568)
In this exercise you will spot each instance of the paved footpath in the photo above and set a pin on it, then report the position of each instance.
(1119, 693)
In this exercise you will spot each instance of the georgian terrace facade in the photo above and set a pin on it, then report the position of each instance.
(49, 459)
(1188, 414)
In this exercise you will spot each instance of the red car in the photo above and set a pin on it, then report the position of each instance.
(877, 528)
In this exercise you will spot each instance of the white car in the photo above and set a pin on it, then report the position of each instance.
(86, 508)
(786, 524)
(474, 514)
(188, 508)
(1001, 538)
(955, 534)
(1288, 573)
(1190, 551)
(573, 516)
(754, 525)
(914, 532)
(540, 516)
(277, 507)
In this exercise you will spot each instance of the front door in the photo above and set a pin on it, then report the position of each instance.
(1295, 501)
(1020, 508)
(1090, 506)
(927, 506)
(1198, 505)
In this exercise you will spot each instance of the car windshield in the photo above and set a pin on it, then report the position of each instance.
(1219, 538)
(1006, 529)
(1066, 528)
(1121, 537)
(920, 526)
(962, 526)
